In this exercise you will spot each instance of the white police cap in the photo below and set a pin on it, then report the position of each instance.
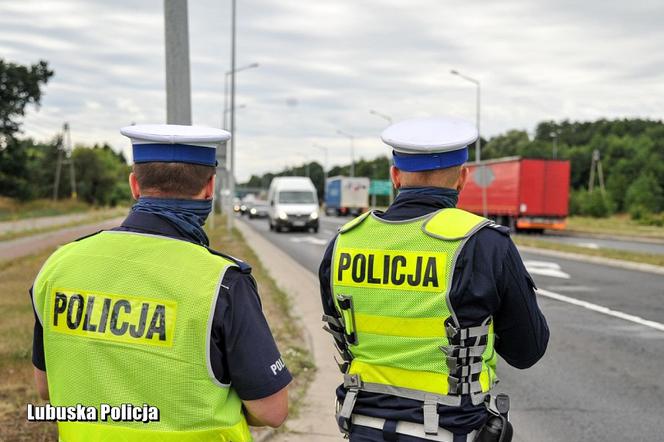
(429, 143)
(175, 143)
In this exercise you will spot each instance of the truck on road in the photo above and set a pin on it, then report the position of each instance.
(524, 194)
(345, 195)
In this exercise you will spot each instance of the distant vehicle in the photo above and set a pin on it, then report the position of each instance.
(246, 203)
(259, 209)
(524, 194)
(345, 195)
(293, 204)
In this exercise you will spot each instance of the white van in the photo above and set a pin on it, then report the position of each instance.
(293, 204)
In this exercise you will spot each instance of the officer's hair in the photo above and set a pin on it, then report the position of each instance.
(172, 179)
(436, 178)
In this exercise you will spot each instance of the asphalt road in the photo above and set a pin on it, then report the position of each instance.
(602, 376)
(655, 247)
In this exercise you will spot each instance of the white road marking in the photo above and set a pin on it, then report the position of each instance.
(601, 309)
(327, 232)
(588, 245)
(311, 240)
(545, 268)
(572, 288)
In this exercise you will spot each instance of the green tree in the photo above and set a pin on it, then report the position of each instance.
(101, 175)
(19, 86)
(645, 193)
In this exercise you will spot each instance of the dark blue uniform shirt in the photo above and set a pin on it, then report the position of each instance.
(489, 280)
(242, 349)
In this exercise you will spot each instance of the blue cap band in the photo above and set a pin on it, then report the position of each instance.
(429, 161)
(174, 153)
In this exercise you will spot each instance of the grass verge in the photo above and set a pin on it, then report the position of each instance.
(644, 258)
(11, 209)
(16, 384)
(616, 225)
(96, 215)
(277, 308)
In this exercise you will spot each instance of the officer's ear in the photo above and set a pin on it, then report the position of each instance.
(133, 185)
(463, 177)
(395, 174)
(208, 192)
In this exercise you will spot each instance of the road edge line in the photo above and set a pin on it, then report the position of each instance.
(601, 309)
(618, 263)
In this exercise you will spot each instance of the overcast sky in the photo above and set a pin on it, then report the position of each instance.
(325, 63)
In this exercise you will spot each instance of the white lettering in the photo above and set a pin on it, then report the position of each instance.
(277, 366)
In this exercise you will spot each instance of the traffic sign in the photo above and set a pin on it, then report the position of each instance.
(380, 187)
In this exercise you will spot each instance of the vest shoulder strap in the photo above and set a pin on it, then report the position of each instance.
(243, 266)
(354, 223)
(453, 224)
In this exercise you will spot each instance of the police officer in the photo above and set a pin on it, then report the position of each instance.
(422, 297)
(147, 313)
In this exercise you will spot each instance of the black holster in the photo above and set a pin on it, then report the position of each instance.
(497, 428)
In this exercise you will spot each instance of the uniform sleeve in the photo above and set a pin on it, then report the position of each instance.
(243, 352)
(38, 359)
(521, 329)
(324, 280)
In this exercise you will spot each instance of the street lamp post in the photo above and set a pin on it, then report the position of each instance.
(224, 123)
(381, 115)
(352, 150)
(478, 143)
(554, 136)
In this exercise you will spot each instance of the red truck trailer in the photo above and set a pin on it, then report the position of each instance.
(524, 194)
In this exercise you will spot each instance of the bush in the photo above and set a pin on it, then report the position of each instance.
(644, 194)
(595, 204)
(645, 217)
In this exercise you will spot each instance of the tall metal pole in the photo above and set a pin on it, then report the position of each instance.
(478, 156)
(178, 83)
(231, 156)
(226, 75)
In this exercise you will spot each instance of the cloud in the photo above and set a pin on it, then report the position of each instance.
(537, 60)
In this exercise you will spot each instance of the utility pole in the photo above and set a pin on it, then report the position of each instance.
(58, 169)
(596, 165)
(178, 83)
(70, 152)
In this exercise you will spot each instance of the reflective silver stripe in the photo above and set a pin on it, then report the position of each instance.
(344, 414)
(416, 395)
(408, 429)
(430, 411)
(208, 336)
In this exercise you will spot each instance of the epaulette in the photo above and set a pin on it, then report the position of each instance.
(243, 266)
(354, 223)
(88, 236)
(499, 227)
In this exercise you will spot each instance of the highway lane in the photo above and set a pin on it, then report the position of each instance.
(654, 247)
(601, 378)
